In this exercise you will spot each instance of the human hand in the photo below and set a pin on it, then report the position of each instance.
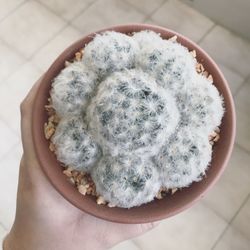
(44, 219)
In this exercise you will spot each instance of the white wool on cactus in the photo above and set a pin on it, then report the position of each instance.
(72, 89)
(74, 145)
(126, 181)
(136, 115)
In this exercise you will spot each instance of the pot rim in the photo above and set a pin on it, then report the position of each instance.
(118, 216)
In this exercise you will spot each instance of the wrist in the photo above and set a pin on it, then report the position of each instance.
(4, 243)
(14, 241)
(8, 244)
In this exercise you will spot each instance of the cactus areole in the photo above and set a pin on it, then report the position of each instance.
(135, 115)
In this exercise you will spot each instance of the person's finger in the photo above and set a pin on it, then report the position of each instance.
(121, 232)
(30, 164)
(25, 107)
(148, 226)
(26, 115)
(139, 229)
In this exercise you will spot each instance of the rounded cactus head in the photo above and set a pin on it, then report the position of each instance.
(183, 159)
(126, 180)
(110, 52)
(130, 112)
(170, 63)
(74, 145)
(200, 105)
(72, 89)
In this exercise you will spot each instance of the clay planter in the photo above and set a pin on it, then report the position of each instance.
(157, 209)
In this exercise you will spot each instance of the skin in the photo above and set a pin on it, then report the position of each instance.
(44, 219)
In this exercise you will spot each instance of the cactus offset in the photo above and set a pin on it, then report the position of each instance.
(72, 89)
(126, 181)
(110, 52)
(74, 145)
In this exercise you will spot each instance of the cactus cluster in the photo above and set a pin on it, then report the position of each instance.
(136, 115)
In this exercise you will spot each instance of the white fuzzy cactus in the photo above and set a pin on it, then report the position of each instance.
(126, 181)
(130, 112)
(74, 145)
(136, 115)
(72, 89)
(110, 52)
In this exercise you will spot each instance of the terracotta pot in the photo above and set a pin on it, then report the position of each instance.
(157, 209)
